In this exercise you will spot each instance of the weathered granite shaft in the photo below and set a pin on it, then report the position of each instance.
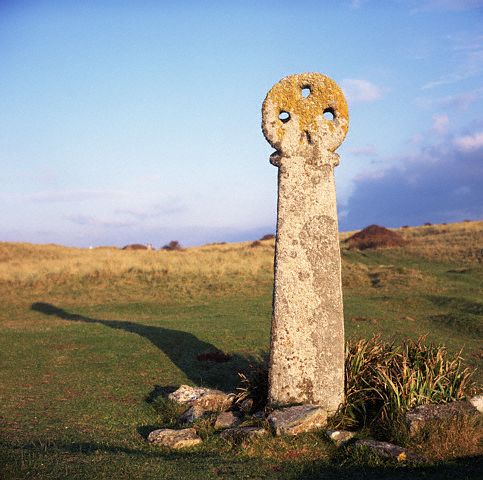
(307, 336)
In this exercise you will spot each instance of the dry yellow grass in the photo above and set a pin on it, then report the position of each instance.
(460, 242)
(212, 269)
(23, 262)
(452, 242)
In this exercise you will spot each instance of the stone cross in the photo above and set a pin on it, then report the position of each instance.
(305, 118)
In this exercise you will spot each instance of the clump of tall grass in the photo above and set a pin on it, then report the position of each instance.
(254, 384)
(384, 379)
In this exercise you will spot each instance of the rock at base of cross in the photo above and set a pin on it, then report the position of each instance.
(298, 419)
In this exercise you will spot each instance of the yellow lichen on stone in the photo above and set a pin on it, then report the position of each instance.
(306, 123)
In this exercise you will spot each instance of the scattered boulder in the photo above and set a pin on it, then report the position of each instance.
(298, 419)
(340, 437)
(419, 417)
(375, 236)
(477, 402)
(175, 439)
(242, 434)
(388, 450)
(227, 420)
(207, 399)
(193, 413)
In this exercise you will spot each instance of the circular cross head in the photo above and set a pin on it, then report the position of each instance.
(305, 114)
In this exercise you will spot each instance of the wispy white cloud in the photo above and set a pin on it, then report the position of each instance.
(90, 221)
(460, 101)
(361, 91)
(465, 60)
(446, 5)
(440, 124)
(446, 79)
(356, 4)
(364, 151)
(168, 207)
(74, 195)
(469, 143)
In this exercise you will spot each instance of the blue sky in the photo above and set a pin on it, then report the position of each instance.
(140, 121)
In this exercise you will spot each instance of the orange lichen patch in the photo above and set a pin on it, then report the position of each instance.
(286, 96)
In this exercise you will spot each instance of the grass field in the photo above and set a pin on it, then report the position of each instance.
(91, 338)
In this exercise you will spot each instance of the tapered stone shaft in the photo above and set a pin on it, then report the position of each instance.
(307, 336)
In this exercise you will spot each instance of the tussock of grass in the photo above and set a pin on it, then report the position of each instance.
(254, 384)
(384, 379)
(448, 439)
(308, 447)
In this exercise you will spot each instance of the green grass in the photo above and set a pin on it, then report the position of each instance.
(84, 358)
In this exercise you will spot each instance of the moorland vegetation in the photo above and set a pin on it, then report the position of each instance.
(92, 339)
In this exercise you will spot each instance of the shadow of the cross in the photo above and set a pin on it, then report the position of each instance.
(182, 348)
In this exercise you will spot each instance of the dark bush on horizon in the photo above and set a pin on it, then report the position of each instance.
(268, 236)
(135, 246)
(173, 245)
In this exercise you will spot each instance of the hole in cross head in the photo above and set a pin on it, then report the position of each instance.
(329, 114)
(306, 91)
(284, 116)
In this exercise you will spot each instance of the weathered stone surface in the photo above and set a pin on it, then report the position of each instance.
(421, 416)
(307, 341)
(227, 420)
(242, 434)
(477, 402)
(193, 413)
(175, 439)
(388, 450)
(298, 419)
(340, 437)
(206, 398)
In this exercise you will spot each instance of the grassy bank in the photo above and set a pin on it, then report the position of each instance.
(91, 337)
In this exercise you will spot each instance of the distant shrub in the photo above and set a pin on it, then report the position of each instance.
(255, 244)
(135, 246)
(466, 220)
(173, 245)
(427, 224)
(268, 236)
(405, 226)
